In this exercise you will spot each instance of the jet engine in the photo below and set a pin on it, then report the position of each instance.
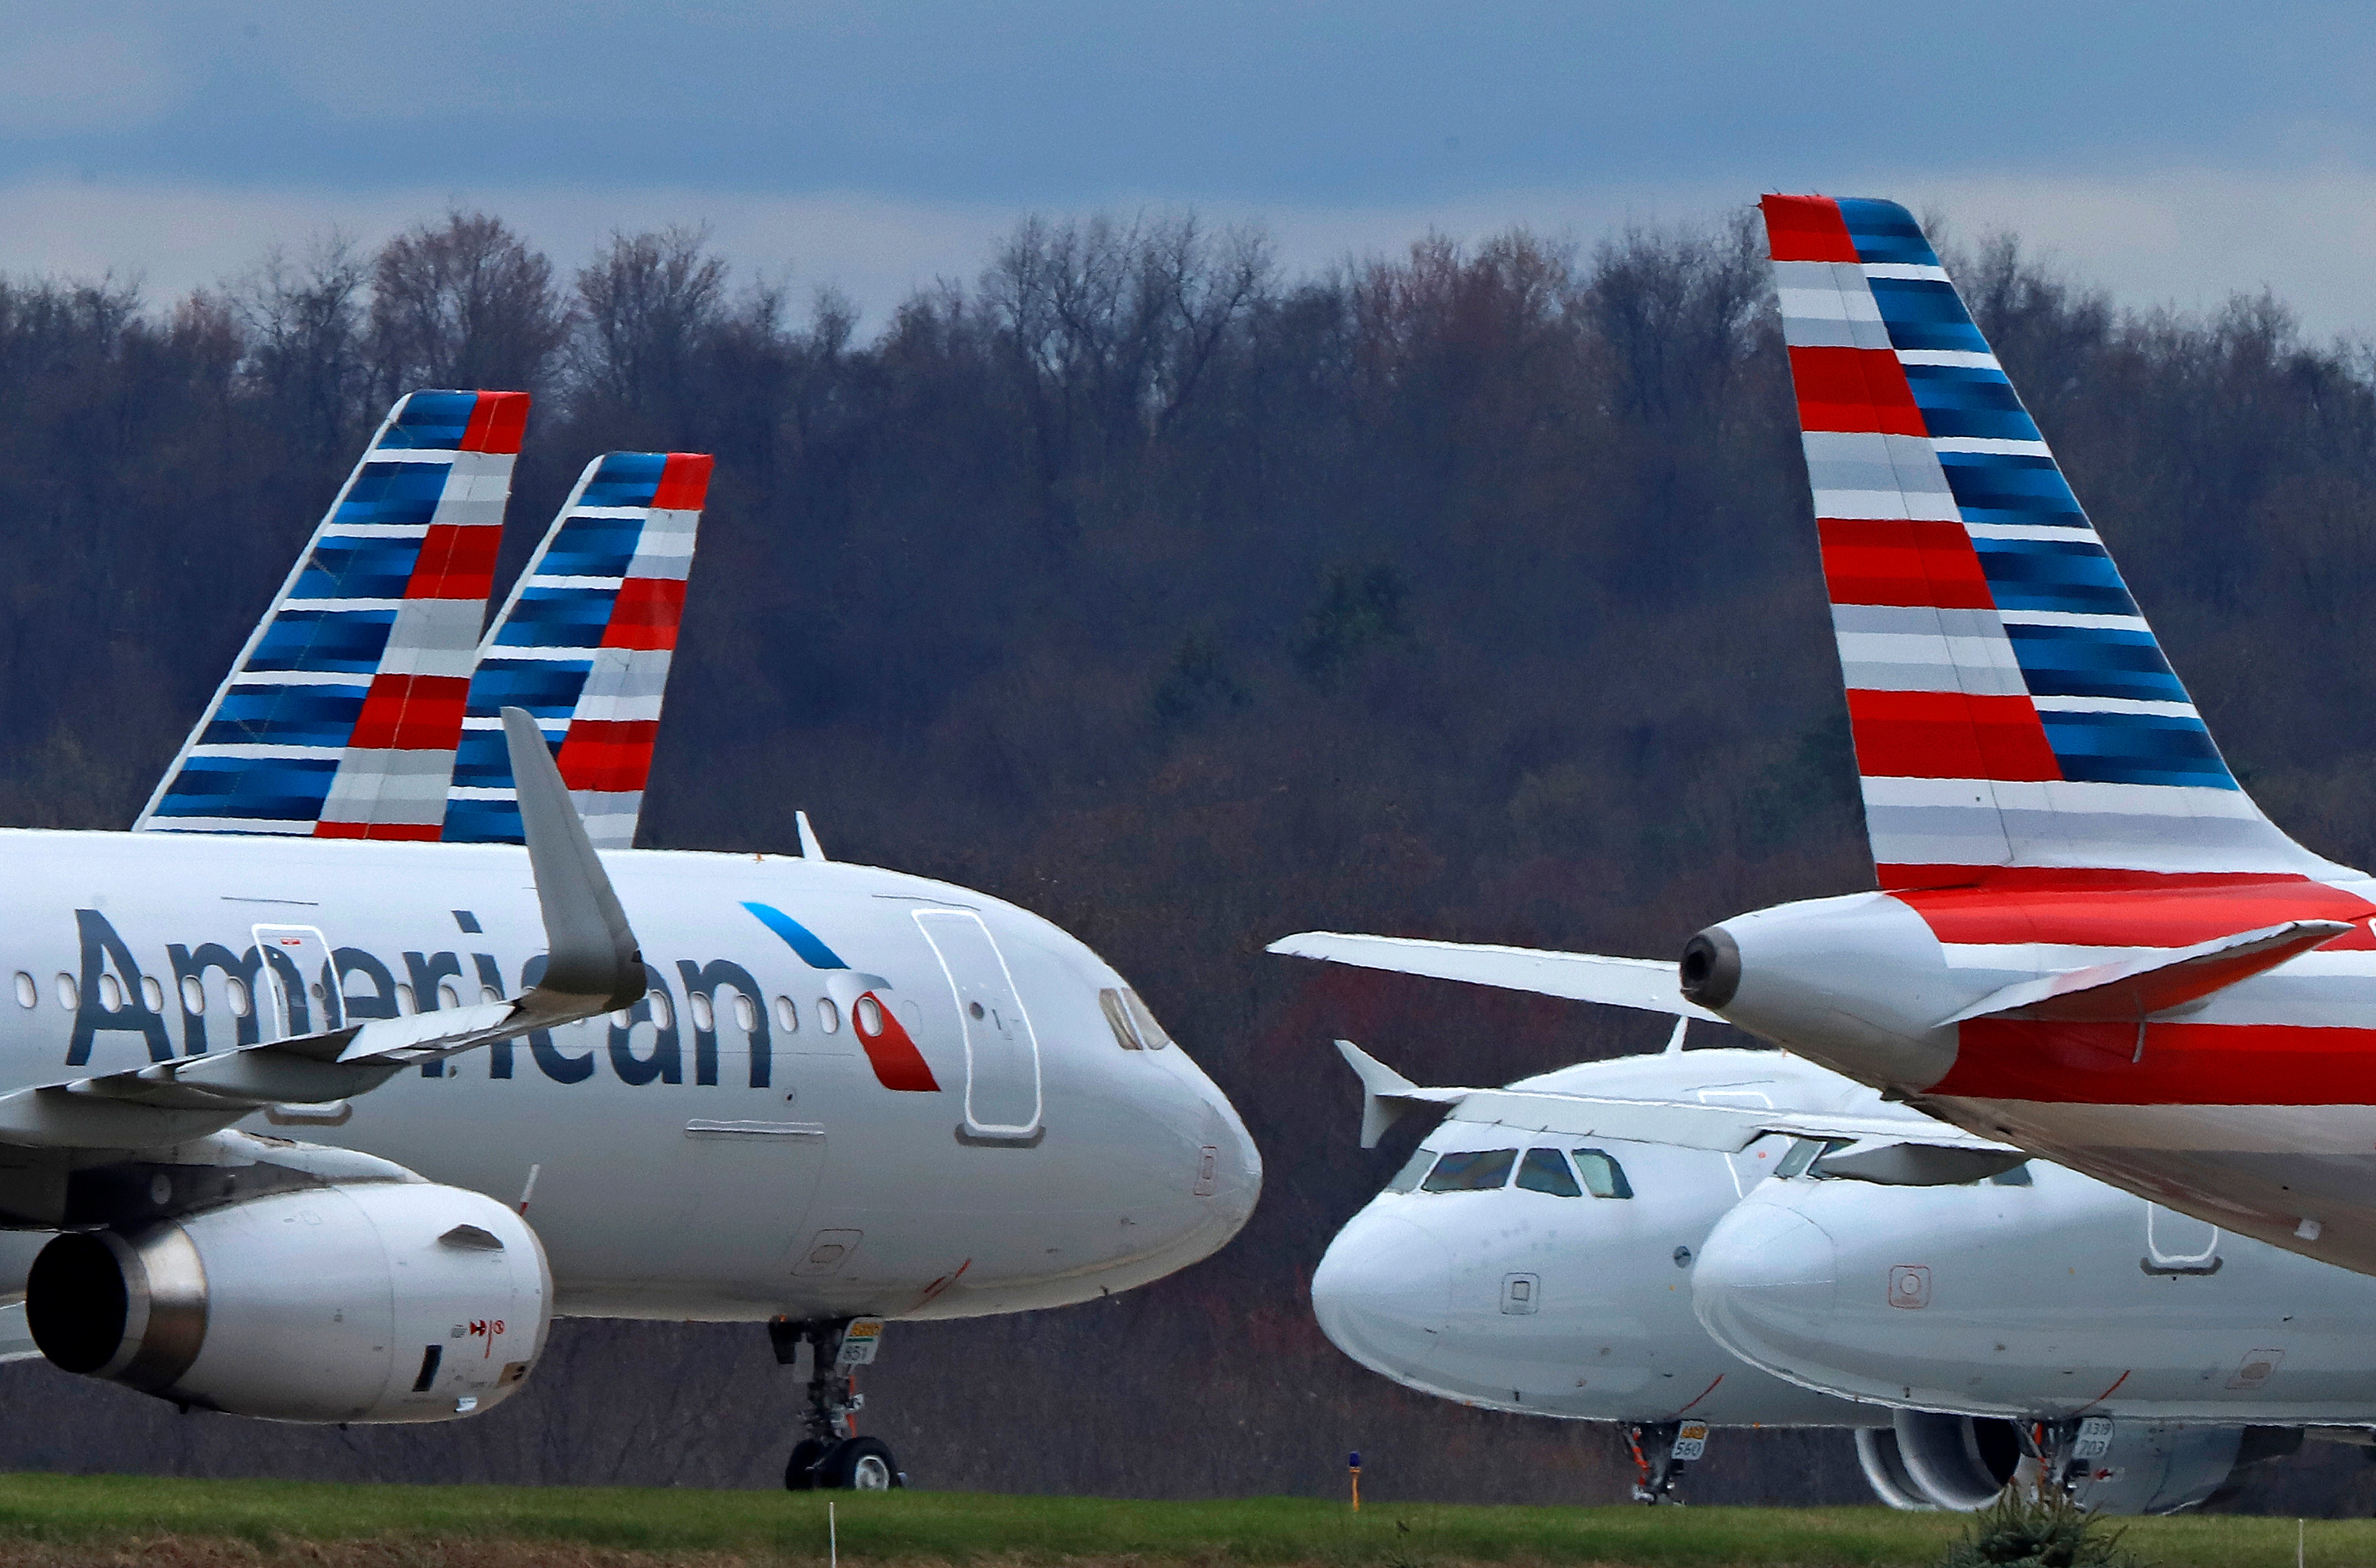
(1955, 1462)
(377, 1302)
(1927, 1459)
(2162, 1467)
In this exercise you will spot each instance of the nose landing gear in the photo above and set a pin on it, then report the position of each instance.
(830, 1457)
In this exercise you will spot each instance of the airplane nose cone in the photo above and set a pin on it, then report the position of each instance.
(1765, 1283)
(1383, 1293)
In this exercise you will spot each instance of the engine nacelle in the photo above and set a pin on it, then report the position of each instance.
(1954, 1462)
(2162, 1467)
(379, 1302)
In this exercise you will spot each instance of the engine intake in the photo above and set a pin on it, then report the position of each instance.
(385, 1301)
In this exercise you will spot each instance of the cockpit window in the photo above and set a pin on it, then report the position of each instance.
(1407, 1179)
(1545, 1171)
(1148, 1029)
(2016, 1176)
(1800, 1155)
(1118, 1020)
(1603, 1177)
(1471, 1170)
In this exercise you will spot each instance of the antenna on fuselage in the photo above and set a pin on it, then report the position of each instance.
(810, 849)
(1675, 1040)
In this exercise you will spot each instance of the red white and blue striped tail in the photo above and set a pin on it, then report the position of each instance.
(584, 644)
(2009, 704)
(341, 715)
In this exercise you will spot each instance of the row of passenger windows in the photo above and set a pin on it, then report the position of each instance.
(1542, 1171)
(825, 1012)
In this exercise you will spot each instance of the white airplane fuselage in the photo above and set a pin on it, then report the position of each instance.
(724, 1166)
(1418, 1286)
(2063, 1297)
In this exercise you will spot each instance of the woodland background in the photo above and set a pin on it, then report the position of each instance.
(1466, 593)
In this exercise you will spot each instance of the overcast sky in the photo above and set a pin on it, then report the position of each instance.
(2174, 152)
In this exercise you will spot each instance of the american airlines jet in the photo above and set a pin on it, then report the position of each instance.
(2087, 940)
(1585, 1245)
(631, 1084)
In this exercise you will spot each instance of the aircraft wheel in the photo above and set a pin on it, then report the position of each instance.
(800, 1470)
(859, 1464)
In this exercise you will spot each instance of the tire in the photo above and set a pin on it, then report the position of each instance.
(859, 1464)
(800, 1469)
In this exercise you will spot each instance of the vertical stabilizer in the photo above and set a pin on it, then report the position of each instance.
(2009, 704)
(341, 715)
(583, 645)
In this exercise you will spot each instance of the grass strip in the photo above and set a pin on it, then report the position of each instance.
(43, 1515)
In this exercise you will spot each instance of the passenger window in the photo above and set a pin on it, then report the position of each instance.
(1603, 1177)
(1413, 1169)
(1545, 1171)
(69, 993)
(28, 993)
(1118, 1020)
(788, 1015)
(1471, 1170)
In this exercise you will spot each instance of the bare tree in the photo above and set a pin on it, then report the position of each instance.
(647, 306)
(303, 326)
(464, 303)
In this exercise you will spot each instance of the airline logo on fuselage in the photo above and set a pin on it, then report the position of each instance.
(116, 996)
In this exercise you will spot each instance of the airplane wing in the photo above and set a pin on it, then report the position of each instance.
(1648, 984)
(584, 643)
(1904, 1149)
(593, 966)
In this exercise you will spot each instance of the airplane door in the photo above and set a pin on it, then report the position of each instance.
(1002, 1097)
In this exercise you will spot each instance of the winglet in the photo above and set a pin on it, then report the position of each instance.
(592, 951)
(1386, 1094)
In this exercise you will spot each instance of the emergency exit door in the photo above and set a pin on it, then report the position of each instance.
(1001, 1096)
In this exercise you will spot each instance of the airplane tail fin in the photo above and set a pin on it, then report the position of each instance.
(583, 644)
(2011, 707)
(340, 717)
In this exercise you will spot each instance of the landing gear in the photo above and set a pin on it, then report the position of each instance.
(831, 1458)
(1661, 1449)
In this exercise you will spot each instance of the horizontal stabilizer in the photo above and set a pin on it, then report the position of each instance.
(1689, 1123)
(1648, 984)
(1386, 1094)
(1725, 1129)
(2153, 982)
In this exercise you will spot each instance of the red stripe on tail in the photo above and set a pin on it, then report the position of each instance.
(609, 756)
(1892, 561)
(412, 713)
(1854, 389)
(1949, 735)
(456, 561)
(645, 614)
(684, 483)
(497, 424)
(1807, 228)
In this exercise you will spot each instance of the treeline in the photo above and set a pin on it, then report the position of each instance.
(1467, 592)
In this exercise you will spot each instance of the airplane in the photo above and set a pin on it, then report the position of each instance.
(1791, 1250)
(754, 1087)
(2086, 939)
